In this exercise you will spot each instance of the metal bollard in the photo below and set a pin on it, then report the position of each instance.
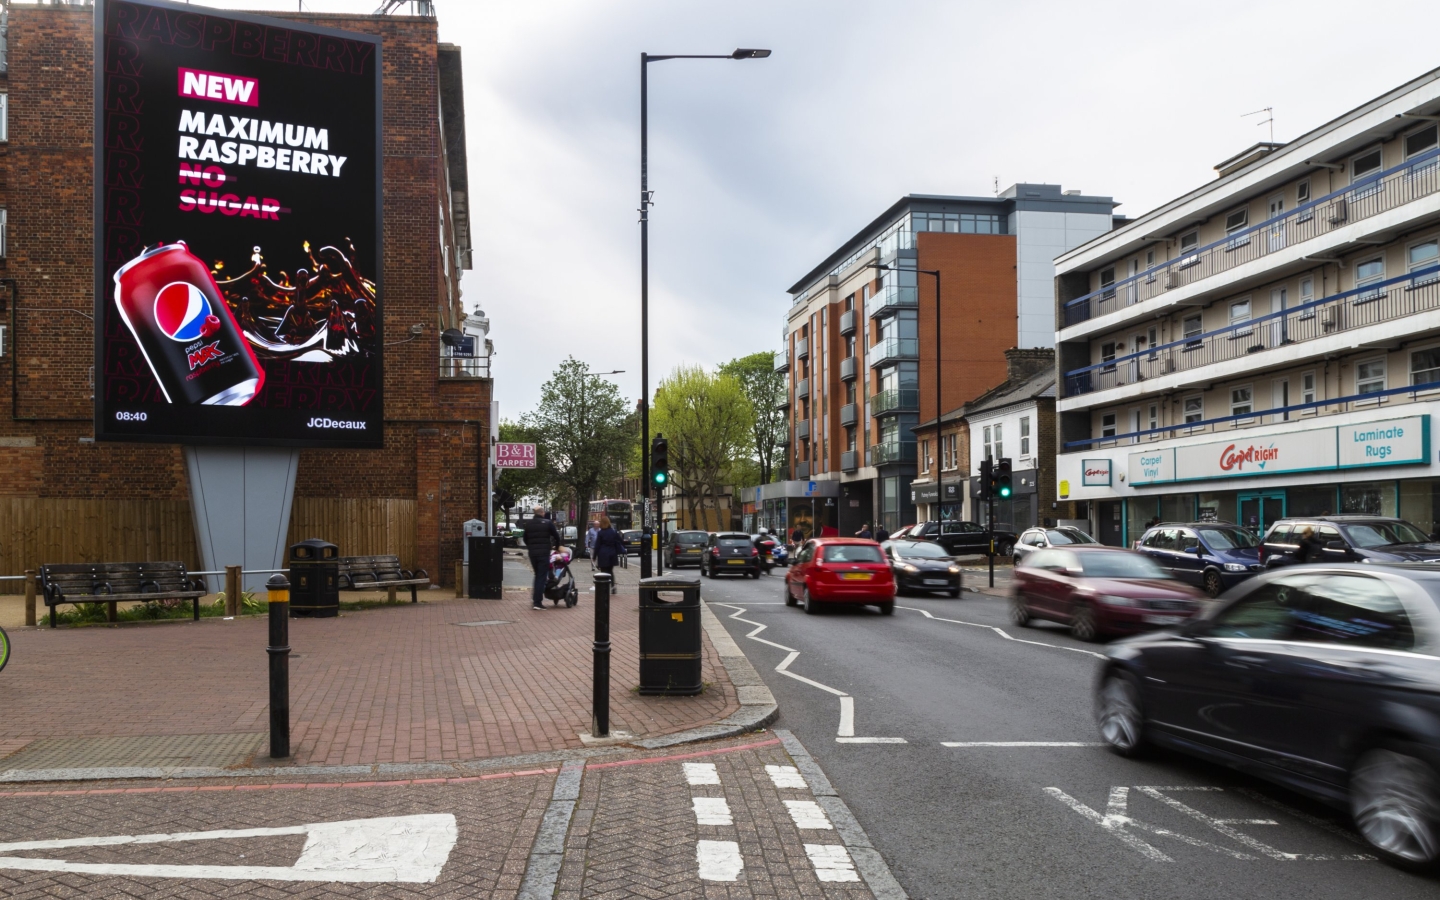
(232, 591)
(30, 597)
(600, 699)
(279, 650)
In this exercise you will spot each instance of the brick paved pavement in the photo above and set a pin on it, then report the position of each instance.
(410, 683)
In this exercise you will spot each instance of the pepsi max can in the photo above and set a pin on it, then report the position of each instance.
(186, 332)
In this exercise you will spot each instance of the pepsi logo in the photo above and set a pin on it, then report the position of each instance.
(183, 312)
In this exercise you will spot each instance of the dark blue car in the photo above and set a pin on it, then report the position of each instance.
(1210, 555)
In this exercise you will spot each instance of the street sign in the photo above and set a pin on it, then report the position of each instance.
(514, 456)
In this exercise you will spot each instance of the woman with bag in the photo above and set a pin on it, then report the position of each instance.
(609, 548)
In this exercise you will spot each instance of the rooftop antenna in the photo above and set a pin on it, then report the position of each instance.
(1269, 119)
(997, 185)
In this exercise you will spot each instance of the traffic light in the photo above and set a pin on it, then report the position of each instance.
(987, 482)
(1003, 489)
(659, 461)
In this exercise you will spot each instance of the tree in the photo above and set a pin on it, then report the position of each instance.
(521, 483)
(582, 424)
(764, 388)
(708, 422)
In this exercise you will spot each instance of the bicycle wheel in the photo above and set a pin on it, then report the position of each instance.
(4, 648)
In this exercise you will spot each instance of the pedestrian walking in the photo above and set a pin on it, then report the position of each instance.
(881, 535)
(864, 532)
(797, 537)
(609, 548)
(540, 538)
(590, 543)
(1310, 548)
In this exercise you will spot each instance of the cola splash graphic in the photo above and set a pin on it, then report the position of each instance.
(326, 312)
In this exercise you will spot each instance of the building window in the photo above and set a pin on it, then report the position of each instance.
(989, 447)
(4, 233)
(1307, 392)
(1241, 401)
(1235, 222)
(1194, 409)
(999, 444)
(1302, 197)
(1189, 243)
(1024, 435)
(1307, 290)
(1107, 425)
(1190, 329)
(4, 117)
(1365, 166)
(1239, 313)
(1107, 283)
(1370, 376)
(1425, 366)
(1107, 355)
(1154, 418)
(1422, 256)
(1419, 142)
(925, 456)
(1367, 273)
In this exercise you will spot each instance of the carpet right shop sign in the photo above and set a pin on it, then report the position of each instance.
(238, 229)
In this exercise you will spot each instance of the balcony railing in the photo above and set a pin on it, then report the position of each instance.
(802, 388)
(849, 461)
(893, 349)
(802, 430)
(1383, 301)
(847, 369)
(893, 452)
(784, 402)
(802, 348)
(895, 400)
(1390, 189)
(802, 470)
(464, 367)
(891, 298)
(782, 362)
(847, 321)
(847, 414)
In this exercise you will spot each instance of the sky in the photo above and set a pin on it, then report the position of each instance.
(762, 168)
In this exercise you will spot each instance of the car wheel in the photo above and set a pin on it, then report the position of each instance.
(1082, 623)
(789, 597)
(1395, 799)
(1005, 548)
(1120, 715)
(1213, 584)
(887, 609)
(953, 594)
(1014, 560)
(808, 604)
(1019, 614)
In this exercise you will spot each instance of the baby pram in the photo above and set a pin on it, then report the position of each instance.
(559, 583)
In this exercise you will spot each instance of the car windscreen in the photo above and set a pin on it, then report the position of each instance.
(691, 537)
(1068, 536)
(1227, 538)
(1380, 534)
(854, 553)
(920, 550)
(632, 535)
(1119, 565)
(732, 542)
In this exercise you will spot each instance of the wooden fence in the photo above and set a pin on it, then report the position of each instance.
(41, 530)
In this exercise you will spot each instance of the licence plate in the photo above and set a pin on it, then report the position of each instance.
(736, 562)
(1163, 620)
(939, 581)
(856, 576)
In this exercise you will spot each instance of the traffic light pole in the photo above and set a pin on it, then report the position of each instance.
(991, 526)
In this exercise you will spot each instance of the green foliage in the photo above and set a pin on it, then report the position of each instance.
(585, 430)
(708, 421)
(536, 482)
(764, 388)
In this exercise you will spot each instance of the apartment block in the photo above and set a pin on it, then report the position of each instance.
(1269, 343)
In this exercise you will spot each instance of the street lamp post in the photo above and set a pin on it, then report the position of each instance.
(586, 500)
(939, 473)
(645, 202)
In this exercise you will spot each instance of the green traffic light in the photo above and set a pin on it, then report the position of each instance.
(1004, 492)
(661, 477)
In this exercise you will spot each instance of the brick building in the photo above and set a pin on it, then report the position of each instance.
(64, 497)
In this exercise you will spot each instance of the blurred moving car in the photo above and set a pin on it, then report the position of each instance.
(965, 538)
(1099, 591)
(1032, 539)
(922, 566)
(1325, 679)
(731, 552)
(1347, 539)
(1209, 555)
(684, 548)
(634, 540)
(840, 570)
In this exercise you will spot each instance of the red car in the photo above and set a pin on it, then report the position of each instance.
(840, 570)
(1099, 590)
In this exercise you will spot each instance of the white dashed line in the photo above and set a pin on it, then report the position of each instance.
(1021, 744)
(721, 861)
(832, 862)
(786, 777)
(712, 811)
(808, 814)
(701, 773)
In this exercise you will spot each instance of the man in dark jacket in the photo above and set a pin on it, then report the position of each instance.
(540, 538)
(881, 534)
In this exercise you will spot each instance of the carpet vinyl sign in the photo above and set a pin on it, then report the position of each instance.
(1360, 445)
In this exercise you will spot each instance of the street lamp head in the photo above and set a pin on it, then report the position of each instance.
(750, 54)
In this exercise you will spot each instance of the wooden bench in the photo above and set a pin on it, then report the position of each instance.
(113, 582)
(371, 573)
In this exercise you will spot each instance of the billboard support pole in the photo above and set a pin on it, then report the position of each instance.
(241, 499)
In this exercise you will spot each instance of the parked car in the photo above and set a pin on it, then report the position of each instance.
(840, 570)
(1032, 539)
(903, 533)
(1322, 679)
(684, 548)
(1099, 591)
(634, 540)
(922, 566)
(1347, 539)
(732, 552)
(965, 538)
(1210, 555)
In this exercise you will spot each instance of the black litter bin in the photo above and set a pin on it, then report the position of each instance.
(314, 579)
(670, 635)
(487, 568)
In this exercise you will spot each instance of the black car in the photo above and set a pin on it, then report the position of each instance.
(1324, 679)
(1208, 555)
(730, 552)
(922, 566)
(1347, 539)
(965, 538)
(634, 541)
(685, 548)
(1032, 539)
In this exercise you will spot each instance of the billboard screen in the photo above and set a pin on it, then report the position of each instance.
(238, 294)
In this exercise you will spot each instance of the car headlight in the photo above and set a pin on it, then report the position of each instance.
(906, 567)
(954, 570)
(1236, 567)
(1114, 600)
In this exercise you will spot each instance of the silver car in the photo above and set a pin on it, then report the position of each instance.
(1033, 539)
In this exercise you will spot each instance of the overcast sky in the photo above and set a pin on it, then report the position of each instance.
(763, 167)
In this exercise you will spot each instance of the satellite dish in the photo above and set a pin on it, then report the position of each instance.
(452, 337)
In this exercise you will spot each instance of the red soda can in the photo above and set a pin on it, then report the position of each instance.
(193, 344)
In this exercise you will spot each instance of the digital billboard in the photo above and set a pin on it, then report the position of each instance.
(238, 294)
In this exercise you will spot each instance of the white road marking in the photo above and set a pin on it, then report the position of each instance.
(870, 740)
(412, 849)
(1021, 744)
(847, 718)
(719, 860)
(808, 814)
(1318, 822)
(831, 862)
(1000, 631)
(711, 811)
(786, 777)
(701, 773)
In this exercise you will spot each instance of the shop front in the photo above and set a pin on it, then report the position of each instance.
(783, 506)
